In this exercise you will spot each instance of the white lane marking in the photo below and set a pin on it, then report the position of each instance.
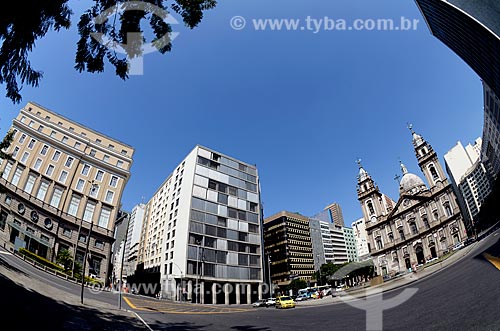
(143, 321)
(6, 253)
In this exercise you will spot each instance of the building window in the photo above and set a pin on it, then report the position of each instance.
(92, 152)
(50, 170)
(6, 171)
(28, 188)
(14, 153)
(69, 162)
(31, 144)
(53, 134)
(42, 190)
(433, 172)
(106, 158)
(67, 232)
(89, 212)
(94, 190)
(80, 184)
(119, 164)
(56, 197)
(56, 156)
(17, 176)
(63, 176)
(77, 145)
(114, 181)
(104, 217)
(22, 138)
(426, 222)
(109, 196)
(99, 175)
(413, 228)
(448, 209)
(44, 150)
(85, 169)
(402, 235)
(74, 205)
(99, 244)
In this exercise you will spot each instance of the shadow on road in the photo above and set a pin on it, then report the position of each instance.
(250, 328)
(181, 326)
(6, 265)
(28, 310)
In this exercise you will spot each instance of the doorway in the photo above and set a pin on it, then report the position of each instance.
(419, 251)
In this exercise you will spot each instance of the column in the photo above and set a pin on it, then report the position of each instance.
(190, 290)
(259, 291)
(226, 294)
(202, 292)
(238, 299)
(249, 293)
(215, 288)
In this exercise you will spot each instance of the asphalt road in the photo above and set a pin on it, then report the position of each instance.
(464, 296)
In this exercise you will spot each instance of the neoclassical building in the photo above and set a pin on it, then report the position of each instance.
(425, 222)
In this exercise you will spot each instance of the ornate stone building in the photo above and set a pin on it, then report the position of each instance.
(425, 222)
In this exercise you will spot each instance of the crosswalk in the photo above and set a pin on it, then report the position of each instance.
(154, 305)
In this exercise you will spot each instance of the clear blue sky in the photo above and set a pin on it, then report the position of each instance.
(302, 106)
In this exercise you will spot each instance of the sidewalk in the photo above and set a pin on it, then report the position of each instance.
(395, 283)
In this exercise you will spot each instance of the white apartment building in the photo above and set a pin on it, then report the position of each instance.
(203, 230)
(133, 237)
(359, 229)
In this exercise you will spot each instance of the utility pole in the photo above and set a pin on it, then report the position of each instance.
(123, 260)
(85, 260)
(269, 271)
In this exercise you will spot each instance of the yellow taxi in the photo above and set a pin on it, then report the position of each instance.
(285, 302)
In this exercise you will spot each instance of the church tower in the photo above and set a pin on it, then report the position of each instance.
(428, 160)
(369, 196)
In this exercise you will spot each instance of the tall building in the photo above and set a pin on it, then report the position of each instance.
(490, 151)
(350, 244)
(336, 213)
(133, 237)
(65, 182)
(120, 233)
(328, 242)
(287, 241)
(469, 178)
(425, 223)
(472, 30)
(203, 230)
(359, 230)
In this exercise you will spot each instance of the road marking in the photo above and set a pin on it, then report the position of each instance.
(129, 303)
(6, 253)
(178, 308)
(493, 260)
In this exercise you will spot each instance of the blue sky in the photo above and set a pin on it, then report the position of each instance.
(301, 106)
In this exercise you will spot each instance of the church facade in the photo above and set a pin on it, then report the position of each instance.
(424, 224)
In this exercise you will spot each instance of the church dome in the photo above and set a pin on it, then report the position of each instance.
(411, 183)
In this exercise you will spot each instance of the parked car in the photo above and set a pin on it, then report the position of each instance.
(260, 303)
(270, 302)
(302, 297)
(469, 241)
(284, 302)
(458, 246)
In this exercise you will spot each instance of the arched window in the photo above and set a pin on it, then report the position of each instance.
(433, 172)
(371, 211)
(426, 222)
(447, 209)
(379, 244)
(402, 234)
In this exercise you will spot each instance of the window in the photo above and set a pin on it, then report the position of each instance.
(119, 164)
(113, 181)
(74, 205)
(426, 222)
(63, 176)
(44, 150)
(56, 156)
(88, 214)
(30, 183)
(98, 141)
(448, 209)
(22, 138)
(92, 152)
(109, 196)
(42, 190)
(67, 232)
(56, 197)
(53, 134)
(104, 217)
(65, 140)
(15, 151)
(38, 164)
(402, 235)
(32, 123)
(99, 244)
(370, 208)
(434, 173)
(94, 189)
(17, 176)
(40, 128)
(6, 171)
(69, 162)
(106, 158)
(413, 228)
(85, 169)
(99, 175)
(50, 170)
(31, 144)
(124, 152)
(79, 185)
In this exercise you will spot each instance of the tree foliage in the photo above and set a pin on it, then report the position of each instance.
(64, 258)
(296, 285)
(28, 21)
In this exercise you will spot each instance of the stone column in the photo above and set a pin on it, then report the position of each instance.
(249, 293)
(202, 292)
(190, 290)
(215, 288)
(259, 291)
(226, 294)
(238, 294)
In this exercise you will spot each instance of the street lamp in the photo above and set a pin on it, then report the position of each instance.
(198, 243)
(269, 271)
(85, 260)
(123, 260)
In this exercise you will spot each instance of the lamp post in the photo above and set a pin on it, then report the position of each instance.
(123, 260)
(85, 261)
(269, 271)
(198, 243)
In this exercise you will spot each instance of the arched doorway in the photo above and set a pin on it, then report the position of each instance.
(419, 251)
(433, 252)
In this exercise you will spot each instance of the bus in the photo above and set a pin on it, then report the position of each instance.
(312, 291)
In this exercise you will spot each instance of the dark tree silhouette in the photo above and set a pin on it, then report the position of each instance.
(25, 22)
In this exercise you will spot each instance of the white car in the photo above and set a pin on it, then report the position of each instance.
(301, 297)
(458, 246)
(271, 302)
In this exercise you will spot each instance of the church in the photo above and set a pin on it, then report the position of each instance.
(425, 222)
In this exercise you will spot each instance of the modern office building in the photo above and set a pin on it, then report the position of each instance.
(350, 244)
(336, 213)
(120, 233)
(287, 241)
(472, 30)
(359, 230)
(62, 188)
(425, 223)
(132, 238)
(469, 178)
(203, 230)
